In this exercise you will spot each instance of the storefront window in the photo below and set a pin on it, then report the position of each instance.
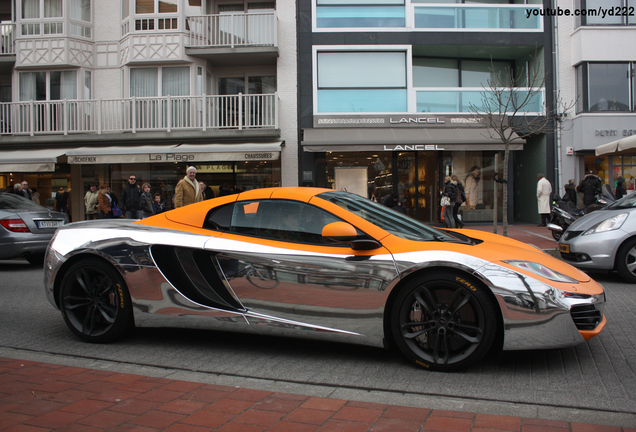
(625, 166)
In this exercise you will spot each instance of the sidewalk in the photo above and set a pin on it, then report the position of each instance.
(38, 397)
(540, 237)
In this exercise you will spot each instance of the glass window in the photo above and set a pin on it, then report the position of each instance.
(87, 84)
(32, 86)
(580, 98)
(608, 85)
(261, 84)
(274, 219)
(435, 73)
(144, 6)
(361, 69)
(52, 8)
(478, 73)
(143, 82)
(167, 6)
(175, 81)
(125, 9)
(81, 10)
(597, 5)
(360, 13)
(30, 9)
(63, 85)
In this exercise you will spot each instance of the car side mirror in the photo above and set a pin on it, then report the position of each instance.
(342, 232)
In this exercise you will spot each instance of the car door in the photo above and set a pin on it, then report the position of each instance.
(289, 278)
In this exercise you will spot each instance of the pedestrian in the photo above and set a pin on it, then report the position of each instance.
(570, 192)
(17, 189)
(458, 200)
(390, 200)
(620, 188)
(157, 205)
(35, 196)
(188, 190)
(90, 202)
(145, 202)
(591, 187)
(61, 201)
(225, 189)
(130, 197)
(544, 191)
(472, 187)
(104, 203)
(206, 192)
(25, 190)
(447, 210)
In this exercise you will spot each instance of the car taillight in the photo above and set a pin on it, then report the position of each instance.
(15, 225)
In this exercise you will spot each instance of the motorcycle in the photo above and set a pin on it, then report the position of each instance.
(564, 213)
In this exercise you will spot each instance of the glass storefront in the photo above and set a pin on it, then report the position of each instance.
(46, 184)
(417, 177)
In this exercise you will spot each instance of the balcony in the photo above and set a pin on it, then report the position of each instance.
(458, 100)
(155, 114)
(234, 39)
(475, 17)
(7, 39)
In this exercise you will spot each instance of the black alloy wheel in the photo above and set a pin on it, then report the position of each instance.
(443, 321)
(95, 302)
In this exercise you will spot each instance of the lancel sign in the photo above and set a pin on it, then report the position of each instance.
(394, 121)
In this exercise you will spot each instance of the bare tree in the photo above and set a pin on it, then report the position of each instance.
(509, 111)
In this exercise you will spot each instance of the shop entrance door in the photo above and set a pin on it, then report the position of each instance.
(416, 186)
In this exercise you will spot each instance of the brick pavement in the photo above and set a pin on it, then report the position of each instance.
(39, 397)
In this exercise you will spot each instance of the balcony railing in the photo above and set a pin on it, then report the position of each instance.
(7, 38)
(232, 30)
(459, 100)
(478, 17)
(253, 111)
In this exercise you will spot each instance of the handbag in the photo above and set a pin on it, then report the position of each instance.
(116, 210)
(445, 201)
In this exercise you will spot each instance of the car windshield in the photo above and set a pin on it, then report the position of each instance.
(14, 202)
(628, 201)
(385, 218)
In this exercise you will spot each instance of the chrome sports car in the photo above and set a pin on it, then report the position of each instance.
(319, 263)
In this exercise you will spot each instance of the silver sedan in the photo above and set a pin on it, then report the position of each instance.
(26, 228)
(604, 240)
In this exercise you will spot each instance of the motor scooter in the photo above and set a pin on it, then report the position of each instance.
(564, 213)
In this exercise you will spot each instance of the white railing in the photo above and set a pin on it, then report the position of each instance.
(7, 38)
(236, 29)
(140, 114)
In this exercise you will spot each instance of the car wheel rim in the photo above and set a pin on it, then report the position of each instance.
(630, 260)
(442, 324)
(90, 301)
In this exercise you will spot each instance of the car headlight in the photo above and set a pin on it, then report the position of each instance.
(609, 224)
(541, 270)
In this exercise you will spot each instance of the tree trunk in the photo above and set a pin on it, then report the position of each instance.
(504, 202)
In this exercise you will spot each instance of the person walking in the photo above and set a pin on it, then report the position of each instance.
(621, 191)
(104, 203)
(206, 191)
(544, 191)
(457, 200)
(447, 212)
(590, 186)
(157, 205)
(145, 202)
(188, 190)
(130, 197)
(90, 202)
(61, 201)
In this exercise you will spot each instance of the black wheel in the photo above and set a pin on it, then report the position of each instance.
(443, 321)
(626, 260)
(35, 259)
(556, 235)
(95, 302)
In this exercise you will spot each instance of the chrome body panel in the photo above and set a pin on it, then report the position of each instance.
(535, 315)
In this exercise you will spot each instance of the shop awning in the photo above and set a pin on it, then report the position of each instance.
(389, 139)
(31, 160)
(623, 145)
(189, 153)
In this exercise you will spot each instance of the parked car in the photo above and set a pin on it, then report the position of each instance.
(604, 240)
(319, 263)
(26, 228)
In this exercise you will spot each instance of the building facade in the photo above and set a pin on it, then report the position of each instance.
(596, 69)
(386, 89)
(94, 91)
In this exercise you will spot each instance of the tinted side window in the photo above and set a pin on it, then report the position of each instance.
(219, 219)
(281, 220)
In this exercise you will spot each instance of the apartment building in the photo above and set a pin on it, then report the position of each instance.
(94, 91)
(385, 94)
(596, 69)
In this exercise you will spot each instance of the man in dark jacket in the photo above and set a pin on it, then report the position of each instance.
(130, 198)
(590, 186)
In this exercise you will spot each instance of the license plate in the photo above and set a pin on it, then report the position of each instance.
(564, 248)
(49, 224)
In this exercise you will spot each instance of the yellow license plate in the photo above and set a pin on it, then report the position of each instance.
(564, 248)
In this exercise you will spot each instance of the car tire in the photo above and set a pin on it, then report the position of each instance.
(443, 321)
(35, 259)
(556, 235)
(626, 260)
(95, 302)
